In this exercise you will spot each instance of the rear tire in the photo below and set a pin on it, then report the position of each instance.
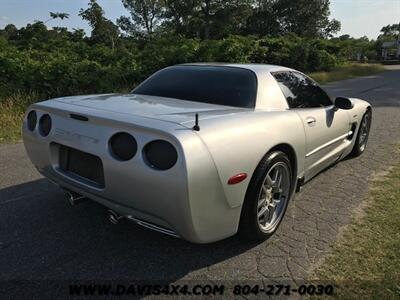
(362, 135)
(267, 197)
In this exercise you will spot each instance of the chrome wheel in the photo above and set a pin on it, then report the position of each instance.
(273, 197)
(364, 131)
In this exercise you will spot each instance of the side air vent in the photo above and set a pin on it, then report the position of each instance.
(353, 130)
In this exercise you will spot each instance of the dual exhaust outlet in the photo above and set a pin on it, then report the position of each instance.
(114, 218)
(75, 199)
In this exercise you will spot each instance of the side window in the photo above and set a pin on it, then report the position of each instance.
(300, 91)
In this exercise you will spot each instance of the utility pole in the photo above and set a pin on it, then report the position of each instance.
(398, 43)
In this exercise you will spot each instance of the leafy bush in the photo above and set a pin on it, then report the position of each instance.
(58, 62)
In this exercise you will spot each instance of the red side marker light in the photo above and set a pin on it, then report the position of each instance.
(237, 178)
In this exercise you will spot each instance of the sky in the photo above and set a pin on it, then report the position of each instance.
(358, 17)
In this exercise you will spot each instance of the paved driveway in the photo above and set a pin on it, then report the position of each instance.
(42, 237)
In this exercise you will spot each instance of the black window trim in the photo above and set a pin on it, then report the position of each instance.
(316, 83)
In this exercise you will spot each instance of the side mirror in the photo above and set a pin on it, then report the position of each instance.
(343, 103)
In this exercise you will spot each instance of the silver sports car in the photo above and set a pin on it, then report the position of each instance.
(197, 151)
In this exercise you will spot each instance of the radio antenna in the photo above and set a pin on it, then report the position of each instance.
(196, 126)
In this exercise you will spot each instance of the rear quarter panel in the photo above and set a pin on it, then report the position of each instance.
(239, 142)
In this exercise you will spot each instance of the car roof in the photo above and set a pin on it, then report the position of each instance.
(256, 68)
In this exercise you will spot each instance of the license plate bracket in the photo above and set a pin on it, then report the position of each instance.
(82, 166)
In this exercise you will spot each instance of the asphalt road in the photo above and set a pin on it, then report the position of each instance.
(43, 238)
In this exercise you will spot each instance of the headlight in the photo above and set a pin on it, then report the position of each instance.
(160, 155)
(123, 146)
(45, 125)
(31, 120)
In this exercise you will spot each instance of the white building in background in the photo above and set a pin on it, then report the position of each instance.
(391, 50)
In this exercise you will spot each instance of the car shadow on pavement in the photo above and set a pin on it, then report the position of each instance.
(43, 237)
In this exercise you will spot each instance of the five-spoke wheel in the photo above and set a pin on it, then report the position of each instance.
(267, 197)
(273, 195)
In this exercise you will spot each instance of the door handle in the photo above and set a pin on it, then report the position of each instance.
(311, 121)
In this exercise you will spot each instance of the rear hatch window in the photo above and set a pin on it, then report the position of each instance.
(220, 85)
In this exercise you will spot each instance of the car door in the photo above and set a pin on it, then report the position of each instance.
(326, 128)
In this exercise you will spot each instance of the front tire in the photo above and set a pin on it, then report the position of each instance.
(267, 197)
(362, 135)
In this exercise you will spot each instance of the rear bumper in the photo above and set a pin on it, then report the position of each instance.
(186, 200)
(142, 218)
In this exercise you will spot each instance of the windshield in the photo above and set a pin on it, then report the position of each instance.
(208, 84)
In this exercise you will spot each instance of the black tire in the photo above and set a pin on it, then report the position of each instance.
(249, 227)
(358, 147)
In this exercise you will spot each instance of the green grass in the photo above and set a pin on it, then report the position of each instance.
(11, 114)
(365, 263)
(346, 71)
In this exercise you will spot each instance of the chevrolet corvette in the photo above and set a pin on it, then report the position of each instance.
(197, 151)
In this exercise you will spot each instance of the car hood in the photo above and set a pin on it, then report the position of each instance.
(166, 109)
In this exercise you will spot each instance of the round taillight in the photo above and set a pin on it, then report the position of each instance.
(45, 125)
(31, 120)
(123, 146)
(160, 155)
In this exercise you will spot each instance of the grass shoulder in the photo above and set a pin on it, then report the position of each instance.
(12, 111)
(365, 263)
(347, 71)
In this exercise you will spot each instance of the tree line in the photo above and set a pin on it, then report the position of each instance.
(215, 19)
(157, 33)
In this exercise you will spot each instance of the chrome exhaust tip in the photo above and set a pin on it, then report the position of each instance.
(113, 217)
(75, 198)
